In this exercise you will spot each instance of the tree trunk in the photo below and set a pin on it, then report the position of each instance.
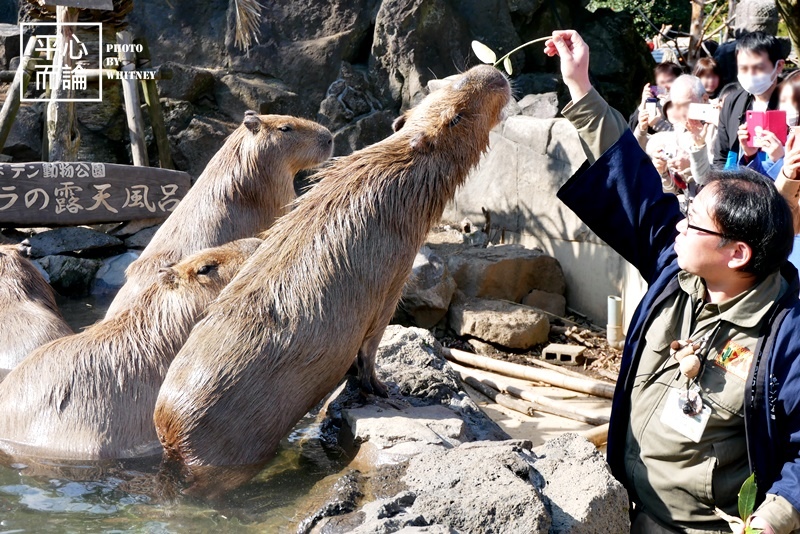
(696, 31)
(62, 129)
(790, 13)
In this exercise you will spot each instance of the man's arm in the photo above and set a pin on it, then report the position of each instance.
(599, 125)
(722, 143)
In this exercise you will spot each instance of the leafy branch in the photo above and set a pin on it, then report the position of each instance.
(747, 503)
(487, 55)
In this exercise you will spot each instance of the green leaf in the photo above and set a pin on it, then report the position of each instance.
(747, 497)
(751, 530)
(507, 65)
(483, 52)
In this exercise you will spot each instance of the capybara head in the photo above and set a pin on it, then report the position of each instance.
(300, 143)
(470, 106)
(20, 278)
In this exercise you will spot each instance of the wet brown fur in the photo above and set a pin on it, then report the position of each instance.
(320, 290)
(243, 189)
(29, 316)
(91, 395)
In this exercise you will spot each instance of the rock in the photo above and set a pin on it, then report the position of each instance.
(344, 498)
(24, 141)
(111, 275)
(69, 275)
(592, 502)
(549, 302)
(364, 132)
(188, 83)
(68, 239)
(237, 93)
(193, 147)
(543, 106)
(132, 227)
(536, 83)
(499, 322)
(507, 272)
(427, 293)
(349, 97)
(142, 238)
(9, 39)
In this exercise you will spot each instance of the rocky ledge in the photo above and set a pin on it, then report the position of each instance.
(428, 460)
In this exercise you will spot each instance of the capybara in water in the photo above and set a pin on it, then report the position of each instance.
(91, 395)
(320, 290)
(243, 189)
(29, 316)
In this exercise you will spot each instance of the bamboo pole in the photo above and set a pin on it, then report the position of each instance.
(506, 401)
(133, 110)
(582, 385)
(63, 138)
(154, 108)
(22, 78)
(538, 402)
(598, 436)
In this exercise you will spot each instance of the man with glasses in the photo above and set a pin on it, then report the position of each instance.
(684, 438)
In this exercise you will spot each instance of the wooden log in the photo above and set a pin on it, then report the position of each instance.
(22, 78)
(582, 385)
(506, 401)
(154, 108)
(52, 194)
(538, 402)
(133, 110)
(63, 138)
(598, 436)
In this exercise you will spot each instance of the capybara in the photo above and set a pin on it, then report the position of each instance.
(29, 316)
(91, 395)
(320, 290)
(243, 189)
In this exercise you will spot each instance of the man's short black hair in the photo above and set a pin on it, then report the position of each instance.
(760, 43)
(668, 67)
(749, 208)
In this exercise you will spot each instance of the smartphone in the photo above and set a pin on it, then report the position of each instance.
(703, 112)
(651, 107)
(655, 91)
(773, 121)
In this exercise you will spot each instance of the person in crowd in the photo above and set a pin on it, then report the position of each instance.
(707, 70)
(683, 438)
(664, 74)
(760, 61)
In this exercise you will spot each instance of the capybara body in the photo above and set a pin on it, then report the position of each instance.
(91, 395)
(247, 185)
(29, 316)
(320, 290)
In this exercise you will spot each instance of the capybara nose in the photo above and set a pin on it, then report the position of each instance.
(489, 75)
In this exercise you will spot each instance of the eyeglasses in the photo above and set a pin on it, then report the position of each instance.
(685, 210)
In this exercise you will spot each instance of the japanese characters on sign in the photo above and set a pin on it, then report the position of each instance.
(87, 192)
(76, 48)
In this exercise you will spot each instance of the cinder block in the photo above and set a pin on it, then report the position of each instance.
(563, 354)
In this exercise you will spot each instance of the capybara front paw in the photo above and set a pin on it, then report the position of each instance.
(370, 385)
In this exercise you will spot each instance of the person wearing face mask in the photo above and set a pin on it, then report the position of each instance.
(759, 61)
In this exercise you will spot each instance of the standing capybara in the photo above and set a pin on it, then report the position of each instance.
(29, 316)
(91, 395)
(320, 290)
(243, 189)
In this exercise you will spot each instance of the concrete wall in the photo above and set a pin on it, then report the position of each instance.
(517, 180)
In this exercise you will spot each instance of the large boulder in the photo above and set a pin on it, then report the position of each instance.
(9, 38)
(69, 275)
(24, 142)
(506, 272)
(194, 146)
(499, 322)
(427, 293)
(68, 239)
(110, 276)
(546, 301)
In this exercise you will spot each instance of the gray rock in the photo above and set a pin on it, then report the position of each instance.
(549, 302)
(9, 39)
(194, 146)
(237, 93)
(188, 83)
(427, 293)
(68, 275)
(68, 239)
(349, 97)
(24, 141)
(593, 502)
(111, 275)
(535, 83)
(542, 106)
(507, 272)
(132, 227)
(498, 322)
(363, 132)
(142, 238)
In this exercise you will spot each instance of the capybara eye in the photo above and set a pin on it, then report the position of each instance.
(285, 128)
(206, 269)
(455, 120)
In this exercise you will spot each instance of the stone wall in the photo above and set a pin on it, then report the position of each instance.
(529, 159)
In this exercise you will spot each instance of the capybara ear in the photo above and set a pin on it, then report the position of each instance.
(421, 142)
(251, 121)
(398, 123)
(166, 275)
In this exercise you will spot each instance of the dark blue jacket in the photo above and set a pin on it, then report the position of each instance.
(620, 199)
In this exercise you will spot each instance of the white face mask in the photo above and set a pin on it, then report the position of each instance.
(757, 84)
(791, 116)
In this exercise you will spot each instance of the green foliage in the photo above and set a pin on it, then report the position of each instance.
(747, 502)
(677, 13)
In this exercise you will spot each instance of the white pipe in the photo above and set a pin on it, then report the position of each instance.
(614, 326)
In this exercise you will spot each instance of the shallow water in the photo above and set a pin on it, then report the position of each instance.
(127, 496)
